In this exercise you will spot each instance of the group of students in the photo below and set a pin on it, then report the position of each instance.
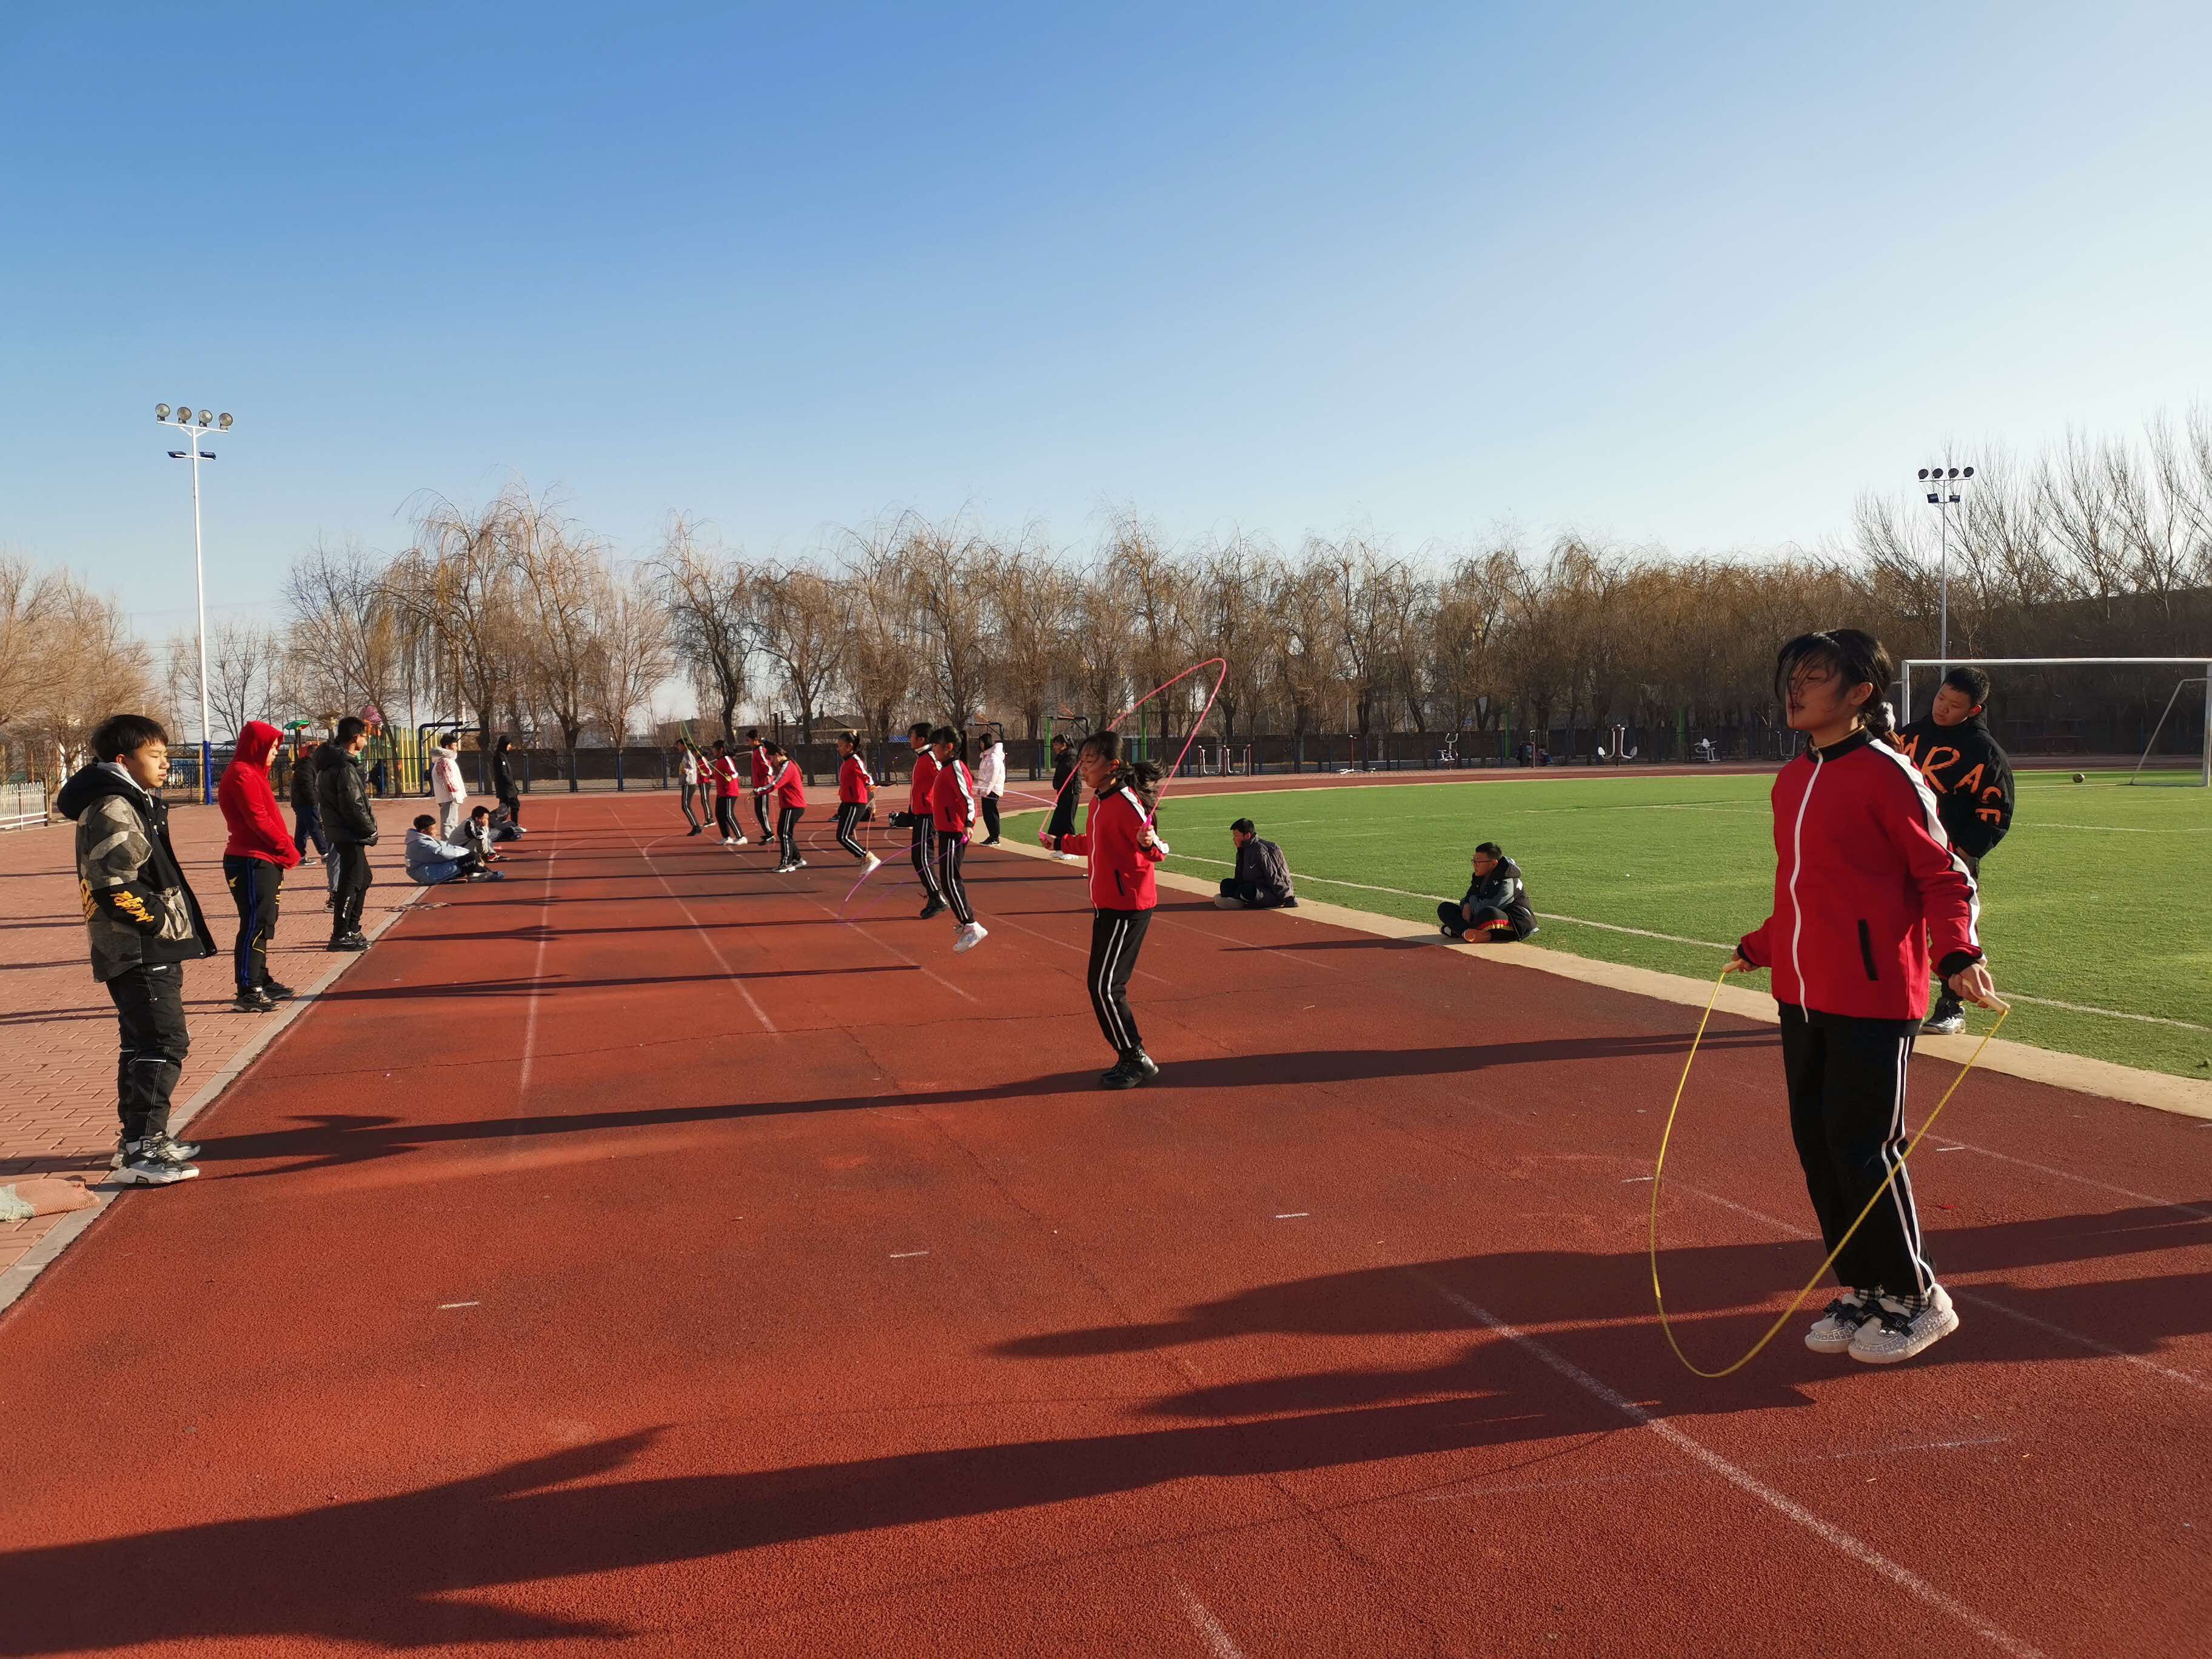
(1878, 837)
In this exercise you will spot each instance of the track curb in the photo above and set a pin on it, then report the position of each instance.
(2127, 1085)
(17, 1279)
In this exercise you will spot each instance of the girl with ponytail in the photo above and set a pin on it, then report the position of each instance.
(1864, 879)
(1119, 840)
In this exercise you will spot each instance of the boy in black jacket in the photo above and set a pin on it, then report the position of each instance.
(1972, 781)
(342, 795)
(1496, 908)
(1262, 881)
(143, 925)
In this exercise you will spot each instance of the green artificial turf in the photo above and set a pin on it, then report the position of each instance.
(2100, 897)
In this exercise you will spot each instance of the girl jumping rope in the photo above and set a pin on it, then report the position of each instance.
(1119, 840)
(855, 790)
(952, 807)
(1864, 879)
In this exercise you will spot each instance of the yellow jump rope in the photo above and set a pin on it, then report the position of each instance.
(1659, 1169)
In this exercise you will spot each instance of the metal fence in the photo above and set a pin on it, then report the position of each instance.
(23, 806)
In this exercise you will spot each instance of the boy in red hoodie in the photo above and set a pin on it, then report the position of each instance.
(254, 859)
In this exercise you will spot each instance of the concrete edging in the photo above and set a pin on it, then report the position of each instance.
(17, 1279)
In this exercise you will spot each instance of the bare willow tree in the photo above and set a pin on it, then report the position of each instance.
(563, 592)
(945, 567)
(882, 641)
(1032, 598)
(1152, 587)
(346, 638)
(634, 657)
(799, 624)
(1229, 619)
(705, 594)
(70, 662)
(461, 582)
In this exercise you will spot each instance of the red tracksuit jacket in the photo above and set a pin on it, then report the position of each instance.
(952, 798)
(1120, 870)
(786, 785)
(760, 768)
(852, 781)
(925, 780)
(1863, 878)
(249, 805)
(724, 767)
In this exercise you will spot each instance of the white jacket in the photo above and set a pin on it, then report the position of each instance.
(991, 770)
(445, 777)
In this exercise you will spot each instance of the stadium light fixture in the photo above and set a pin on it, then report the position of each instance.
(195, 454)
(1943, 491)
(223, 423)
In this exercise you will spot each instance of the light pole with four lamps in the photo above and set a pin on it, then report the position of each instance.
(194, 429)
(1943, 484)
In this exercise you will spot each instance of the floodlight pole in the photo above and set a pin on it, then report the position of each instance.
(1943, 495)
(194, 431)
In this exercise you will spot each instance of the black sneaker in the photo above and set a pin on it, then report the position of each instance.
(276, 991)
(935, 907)
(1134, 1069)
(253, 1000)
(695, 830)
(349, 942)
(155, 1161)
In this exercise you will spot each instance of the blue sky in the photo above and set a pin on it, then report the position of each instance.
(1694, 275)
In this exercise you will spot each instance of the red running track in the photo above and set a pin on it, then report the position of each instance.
(635, 1252)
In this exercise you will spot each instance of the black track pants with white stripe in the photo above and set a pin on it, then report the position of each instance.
(1846, 1079)
(848, 814)
(924, 862)
(952, 853)
(787, 832)
(1116, 936)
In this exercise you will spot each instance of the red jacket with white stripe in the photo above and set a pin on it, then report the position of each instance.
(725, 768)
(1864, 879)
(1120, 870)
(952, 798)
(925, 780)
(784, 782)
(760, 767)
(853, 783)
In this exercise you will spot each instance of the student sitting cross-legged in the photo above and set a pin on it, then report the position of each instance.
(1496, 908)
(1262, 881)
(431, 861)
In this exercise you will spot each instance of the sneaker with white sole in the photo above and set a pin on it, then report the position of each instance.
(872, 863)
(1902, 1326)
(969, 936)
(156, 1161)
(1947, 1018)
(1833, 1331)
(164, 1147)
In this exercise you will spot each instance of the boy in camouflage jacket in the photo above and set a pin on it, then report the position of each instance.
(143, 925)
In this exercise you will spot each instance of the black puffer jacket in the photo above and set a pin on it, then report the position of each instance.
(1503, 890)
(342, 795)
(1971, 775)
(303, 783)
(1263, 880)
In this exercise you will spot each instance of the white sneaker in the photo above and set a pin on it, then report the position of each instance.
(969, 937)
(1833, 1331)
(729, 842)
(873, 863)
(1902, 1326)
(1069, 858)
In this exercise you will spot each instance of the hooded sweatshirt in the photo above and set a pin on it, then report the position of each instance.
(139, 910)
(249, 804)
(1971, 775)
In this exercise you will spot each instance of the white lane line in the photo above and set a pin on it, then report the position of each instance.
(538, 974)
(1742, 1480)
(1294, 1215)
(1305, 959)
(2095, 1345)
(713, 950)
(444, 1306)
(1217, 1640)
(1854, 1452)
(907, 1255)
(2085, 1181)
(1141, 972)
(928, 973)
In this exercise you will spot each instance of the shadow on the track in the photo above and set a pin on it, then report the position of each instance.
(1726, 1293)
(327, 1142)
(524, 985)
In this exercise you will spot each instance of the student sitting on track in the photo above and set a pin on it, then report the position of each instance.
(1496, 908)
(432, 862)
(1262, 881)
(478, 836)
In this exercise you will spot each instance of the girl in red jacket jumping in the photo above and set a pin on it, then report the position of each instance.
(1865, 879)
(855, 789)
(789, 792)
(952, 807)
(1119, 840)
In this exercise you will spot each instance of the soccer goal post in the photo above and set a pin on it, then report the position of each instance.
(2202, 677)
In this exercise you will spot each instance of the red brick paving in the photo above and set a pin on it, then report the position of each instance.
(58, 1027)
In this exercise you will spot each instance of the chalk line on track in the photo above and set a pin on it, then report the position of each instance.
(1742, 1480)
(1218, 1641)
(537, 977)
(707, 938)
